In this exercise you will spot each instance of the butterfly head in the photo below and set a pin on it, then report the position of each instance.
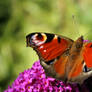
(35, 39)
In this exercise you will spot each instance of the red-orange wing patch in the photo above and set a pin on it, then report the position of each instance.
(48, 46)
(87, 54)
(53, 49)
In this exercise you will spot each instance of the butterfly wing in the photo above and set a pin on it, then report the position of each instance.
(52, 50)
(48, 46)
(87, 54)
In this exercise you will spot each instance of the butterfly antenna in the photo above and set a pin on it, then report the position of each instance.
(76, 25)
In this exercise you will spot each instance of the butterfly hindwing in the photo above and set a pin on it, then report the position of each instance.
(87, 54)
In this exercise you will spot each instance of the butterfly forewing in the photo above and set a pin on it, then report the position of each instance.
(49, 46)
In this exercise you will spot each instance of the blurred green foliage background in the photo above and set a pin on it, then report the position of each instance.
(18, 18)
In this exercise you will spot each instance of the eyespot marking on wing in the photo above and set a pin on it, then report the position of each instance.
(39, 36)
(44, 37)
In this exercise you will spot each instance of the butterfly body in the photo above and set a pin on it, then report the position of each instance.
(61, 57)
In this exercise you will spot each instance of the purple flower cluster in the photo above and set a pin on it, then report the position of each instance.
(35, 80)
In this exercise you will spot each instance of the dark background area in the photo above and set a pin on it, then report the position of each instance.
(71, 18)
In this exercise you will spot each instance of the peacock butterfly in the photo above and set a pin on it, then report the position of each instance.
(61, 57)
